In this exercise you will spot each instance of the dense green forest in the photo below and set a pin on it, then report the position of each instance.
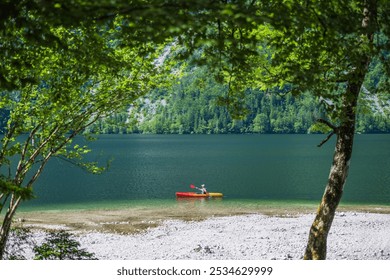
(191, 106)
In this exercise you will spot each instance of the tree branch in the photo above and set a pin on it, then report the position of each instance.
(3, 203)
(335, 130)
(26, 144)
(326, 139)
(23, 167)
(333, 127)
(7, 138)
(40, 169)
(54, 151)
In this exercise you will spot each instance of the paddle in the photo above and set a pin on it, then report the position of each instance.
(192, 186)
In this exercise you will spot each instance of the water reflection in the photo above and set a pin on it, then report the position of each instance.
(197, 200)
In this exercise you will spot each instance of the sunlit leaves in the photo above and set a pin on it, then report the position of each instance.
(7, 187)
(81, 76)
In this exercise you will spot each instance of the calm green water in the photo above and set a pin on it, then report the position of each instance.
(149, 169)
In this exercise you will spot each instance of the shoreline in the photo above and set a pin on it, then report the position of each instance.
(131, 220)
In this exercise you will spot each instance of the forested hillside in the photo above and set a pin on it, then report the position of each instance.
(191, 106)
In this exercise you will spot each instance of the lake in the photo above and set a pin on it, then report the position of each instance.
(246, 168)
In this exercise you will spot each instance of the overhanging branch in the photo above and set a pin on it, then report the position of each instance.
(335, 130)
(326, 139)
(332, 126)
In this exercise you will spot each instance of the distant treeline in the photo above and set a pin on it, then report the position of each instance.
(191, 106)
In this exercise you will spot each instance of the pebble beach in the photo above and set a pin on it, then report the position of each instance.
(353, 236)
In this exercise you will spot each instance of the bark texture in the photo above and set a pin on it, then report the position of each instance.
(6, 225)
(317, 244)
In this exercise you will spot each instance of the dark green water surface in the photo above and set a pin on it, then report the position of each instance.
(149, 169)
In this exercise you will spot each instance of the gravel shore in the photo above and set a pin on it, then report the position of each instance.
(363, 236)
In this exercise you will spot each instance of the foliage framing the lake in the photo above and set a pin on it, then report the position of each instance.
(322, 47)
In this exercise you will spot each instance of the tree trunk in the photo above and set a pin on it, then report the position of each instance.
(317, 243)
(6, 225)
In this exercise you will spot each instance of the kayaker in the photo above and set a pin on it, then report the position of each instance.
(203, 189)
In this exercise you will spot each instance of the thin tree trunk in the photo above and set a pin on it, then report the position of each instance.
(317, 244)
(7, 222)
(19, 177)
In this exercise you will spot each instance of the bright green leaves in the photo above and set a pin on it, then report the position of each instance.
(75, 153)
(61, 245)
(7, 187)
(76, 156)
(88, 70)
(319, 128)
(315, 46)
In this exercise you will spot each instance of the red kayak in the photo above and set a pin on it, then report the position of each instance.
(193, 194)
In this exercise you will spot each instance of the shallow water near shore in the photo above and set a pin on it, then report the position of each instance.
(132, 217)
(182, 206)
(200, 204)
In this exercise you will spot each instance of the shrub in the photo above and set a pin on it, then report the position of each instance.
(60, 245)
